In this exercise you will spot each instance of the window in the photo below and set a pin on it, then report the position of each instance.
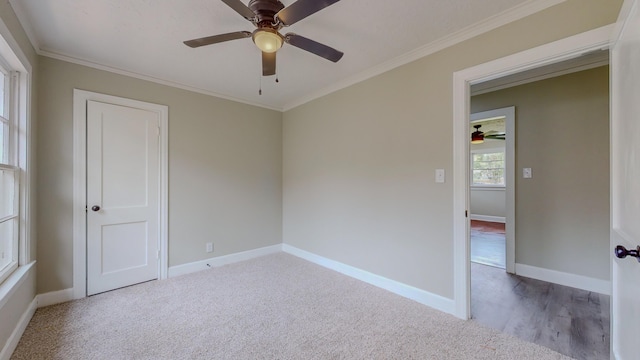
(487, 168)
(9, 173)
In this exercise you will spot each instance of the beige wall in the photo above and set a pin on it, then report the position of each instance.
(16, 306)
(225, 169)
(17, 303)
(359, 163)
(488, 202)
(563, 136)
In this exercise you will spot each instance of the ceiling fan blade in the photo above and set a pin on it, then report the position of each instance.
(240, 8)
(217, 39)
(301, 9)
(268, 63)
(496, 136)
(313, 47)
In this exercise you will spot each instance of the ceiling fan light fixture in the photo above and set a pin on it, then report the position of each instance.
(477, 137)
(267, 40)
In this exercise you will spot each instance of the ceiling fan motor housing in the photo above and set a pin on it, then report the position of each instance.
(266, 11)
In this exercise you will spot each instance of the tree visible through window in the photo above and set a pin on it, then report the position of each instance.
(488, 168)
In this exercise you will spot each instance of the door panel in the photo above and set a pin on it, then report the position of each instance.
(625, 191)
(116, 237)
(129, 143)
(123, 181)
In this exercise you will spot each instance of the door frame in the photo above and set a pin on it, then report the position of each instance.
(618, 235)
(509, 114)
(564, 49)
(80, 98)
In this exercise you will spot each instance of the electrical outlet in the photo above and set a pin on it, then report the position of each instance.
(209, 247)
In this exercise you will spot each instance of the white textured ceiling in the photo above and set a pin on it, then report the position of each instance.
(144, 37)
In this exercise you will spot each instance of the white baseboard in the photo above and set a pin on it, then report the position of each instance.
(13, 340)
(424, 297)
(54, 297)
(489, 218)
(222, 260)
(566, 279)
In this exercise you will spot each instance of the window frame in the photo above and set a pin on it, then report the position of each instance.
(504, 168)
(19, 69)
(10, 163)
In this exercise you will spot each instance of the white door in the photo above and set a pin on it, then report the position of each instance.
(122, 196)
(625, 182)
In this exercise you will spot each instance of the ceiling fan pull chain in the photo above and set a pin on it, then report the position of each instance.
(260, 90)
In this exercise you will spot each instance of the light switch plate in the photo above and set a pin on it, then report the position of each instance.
(440, 175)
(526, 173)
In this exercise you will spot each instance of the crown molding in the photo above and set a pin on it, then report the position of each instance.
(516, 13)
(98, 66)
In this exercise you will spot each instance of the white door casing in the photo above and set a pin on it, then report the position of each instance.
(113, 204)
(556, 51)
(625, 186)
(122, 196)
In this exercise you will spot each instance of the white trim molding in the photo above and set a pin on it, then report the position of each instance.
(571, 47)
(54, 297)
(518, 12)
(421, 296)
(515, 13)
(488, 218)
(17, 61)
(80, 98)
(566, 279)
(14, 338)
(222, 260)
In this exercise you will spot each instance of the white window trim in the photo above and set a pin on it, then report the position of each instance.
(17, 62)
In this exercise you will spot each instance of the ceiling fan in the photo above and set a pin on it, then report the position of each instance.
(477, 137)
(269, 16)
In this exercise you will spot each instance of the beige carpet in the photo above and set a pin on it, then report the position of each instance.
(274, 307)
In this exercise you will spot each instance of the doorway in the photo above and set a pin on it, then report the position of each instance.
(491, 188)
(562, 204)
(555, 52)
(120, 209)
(577, 46)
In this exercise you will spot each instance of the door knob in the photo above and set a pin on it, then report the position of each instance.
(622, 252)
(95, 208)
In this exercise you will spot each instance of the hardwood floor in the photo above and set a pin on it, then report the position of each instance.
(488, 243)
(571, 321)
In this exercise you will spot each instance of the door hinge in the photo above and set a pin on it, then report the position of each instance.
(158, 255)
(466, 213)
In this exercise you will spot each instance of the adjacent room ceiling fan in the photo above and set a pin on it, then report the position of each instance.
(269, 16)
(477, 137)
